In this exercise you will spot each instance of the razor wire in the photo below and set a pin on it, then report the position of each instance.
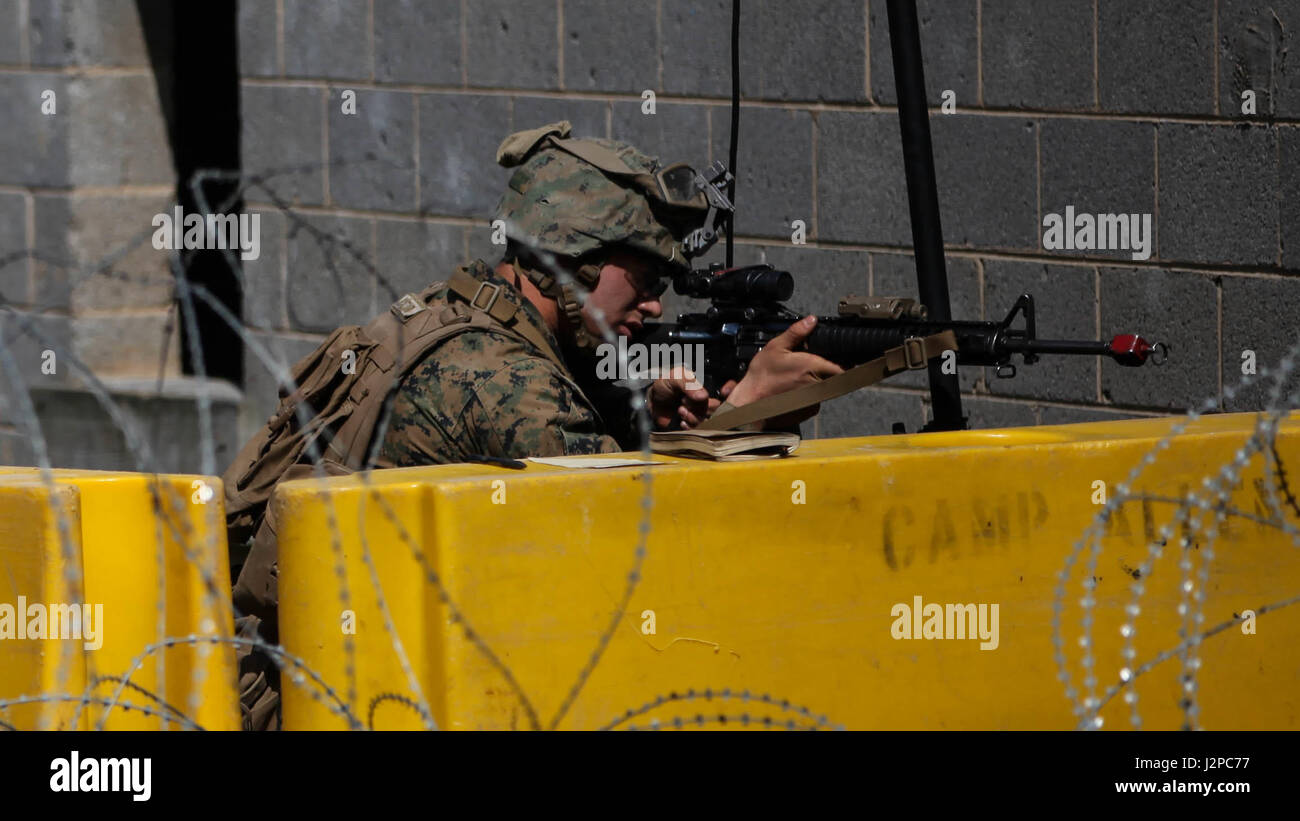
(174, 527)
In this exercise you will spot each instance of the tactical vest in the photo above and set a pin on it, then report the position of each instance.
(335, 408)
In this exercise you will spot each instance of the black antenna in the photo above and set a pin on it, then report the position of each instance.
(735, 124)
(923, 199)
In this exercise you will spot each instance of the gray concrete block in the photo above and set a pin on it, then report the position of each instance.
(282, 143)
(1058, 415)
(695, 53)
(104, 33)
(27, 336)
(988, 181)
(1289, 206)
(261, 381)
(1218, 194)
(83, 261)
(117, 132)
(417, 41)
(327, 39)
(949, 48)
(982, 413)
(137, 345)
(804, 50)
(263, 278)
(895, 275)
(513, 44)
(257, 38)
(808, 50)
(412, 255)
(1037, 59)
(868, 412)
(329, 281)
(1177, 308)
(610, 52)
(82, 256)
(15, 266)
(861, 190)
(586, 116)
(372, 152)
(774, 158)
(1255, 39)
(80, 433)
(459, 136)
(53, 266)
(1098, 167)
(13, 33)
(1065, 299)
(1155, 56)
(34, 146)
(674, 133)
(1259, 315)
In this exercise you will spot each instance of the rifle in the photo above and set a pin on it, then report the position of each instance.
(747, 312)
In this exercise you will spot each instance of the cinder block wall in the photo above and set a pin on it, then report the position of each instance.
(86, 296)
(1111, 106)
(83, 180)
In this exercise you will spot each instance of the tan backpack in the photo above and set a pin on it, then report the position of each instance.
(343, 396)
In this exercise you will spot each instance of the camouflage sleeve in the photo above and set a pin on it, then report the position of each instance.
(530, 408)
(482, 393)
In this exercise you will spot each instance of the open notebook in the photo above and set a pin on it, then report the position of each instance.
(725, 445)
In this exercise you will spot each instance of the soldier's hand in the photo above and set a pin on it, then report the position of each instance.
(782, 367)
(679, 397)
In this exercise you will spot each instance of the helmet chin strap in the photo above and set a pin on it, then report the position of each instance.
(566, 298)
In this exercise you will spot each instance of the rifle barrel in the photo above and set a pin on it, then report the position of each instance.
(1058, 346)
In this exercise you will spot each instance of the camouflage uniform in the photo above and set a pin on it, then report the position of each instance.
(491, 393)
(494, 394)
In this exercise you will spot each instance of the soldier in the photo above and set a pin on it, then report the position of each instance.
(499, 361)
(498, 393)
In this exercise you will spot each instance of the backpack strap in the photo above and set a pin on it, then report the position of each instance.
(485, 296)
(407, 332)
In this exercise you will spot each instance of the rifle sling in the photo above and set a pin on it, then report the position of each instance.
(892, 361)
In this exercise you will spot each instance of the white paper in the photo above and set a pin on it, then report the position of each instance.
(588, 462)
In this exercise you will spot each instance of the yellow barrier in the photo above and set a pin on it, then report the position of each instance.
(150, 560)
(37, 561)
(792, 580)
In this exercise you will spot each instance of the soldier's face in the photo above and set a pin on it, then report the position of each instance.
(622, 295)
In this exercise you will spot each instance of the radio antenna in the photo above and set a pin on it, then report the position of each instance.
(735, 126)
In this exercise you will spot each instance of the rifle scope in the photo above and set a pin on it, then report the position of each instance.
(754, 284)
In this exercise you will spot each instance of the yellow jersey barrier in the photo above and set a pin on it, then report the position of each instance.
(120, 580)
(885, 582)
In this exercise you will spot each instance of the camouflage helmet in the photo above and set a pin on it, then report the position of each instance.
(572, 197)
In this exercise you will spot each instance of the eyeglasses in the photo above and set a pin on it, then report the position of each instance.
(653, 285)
